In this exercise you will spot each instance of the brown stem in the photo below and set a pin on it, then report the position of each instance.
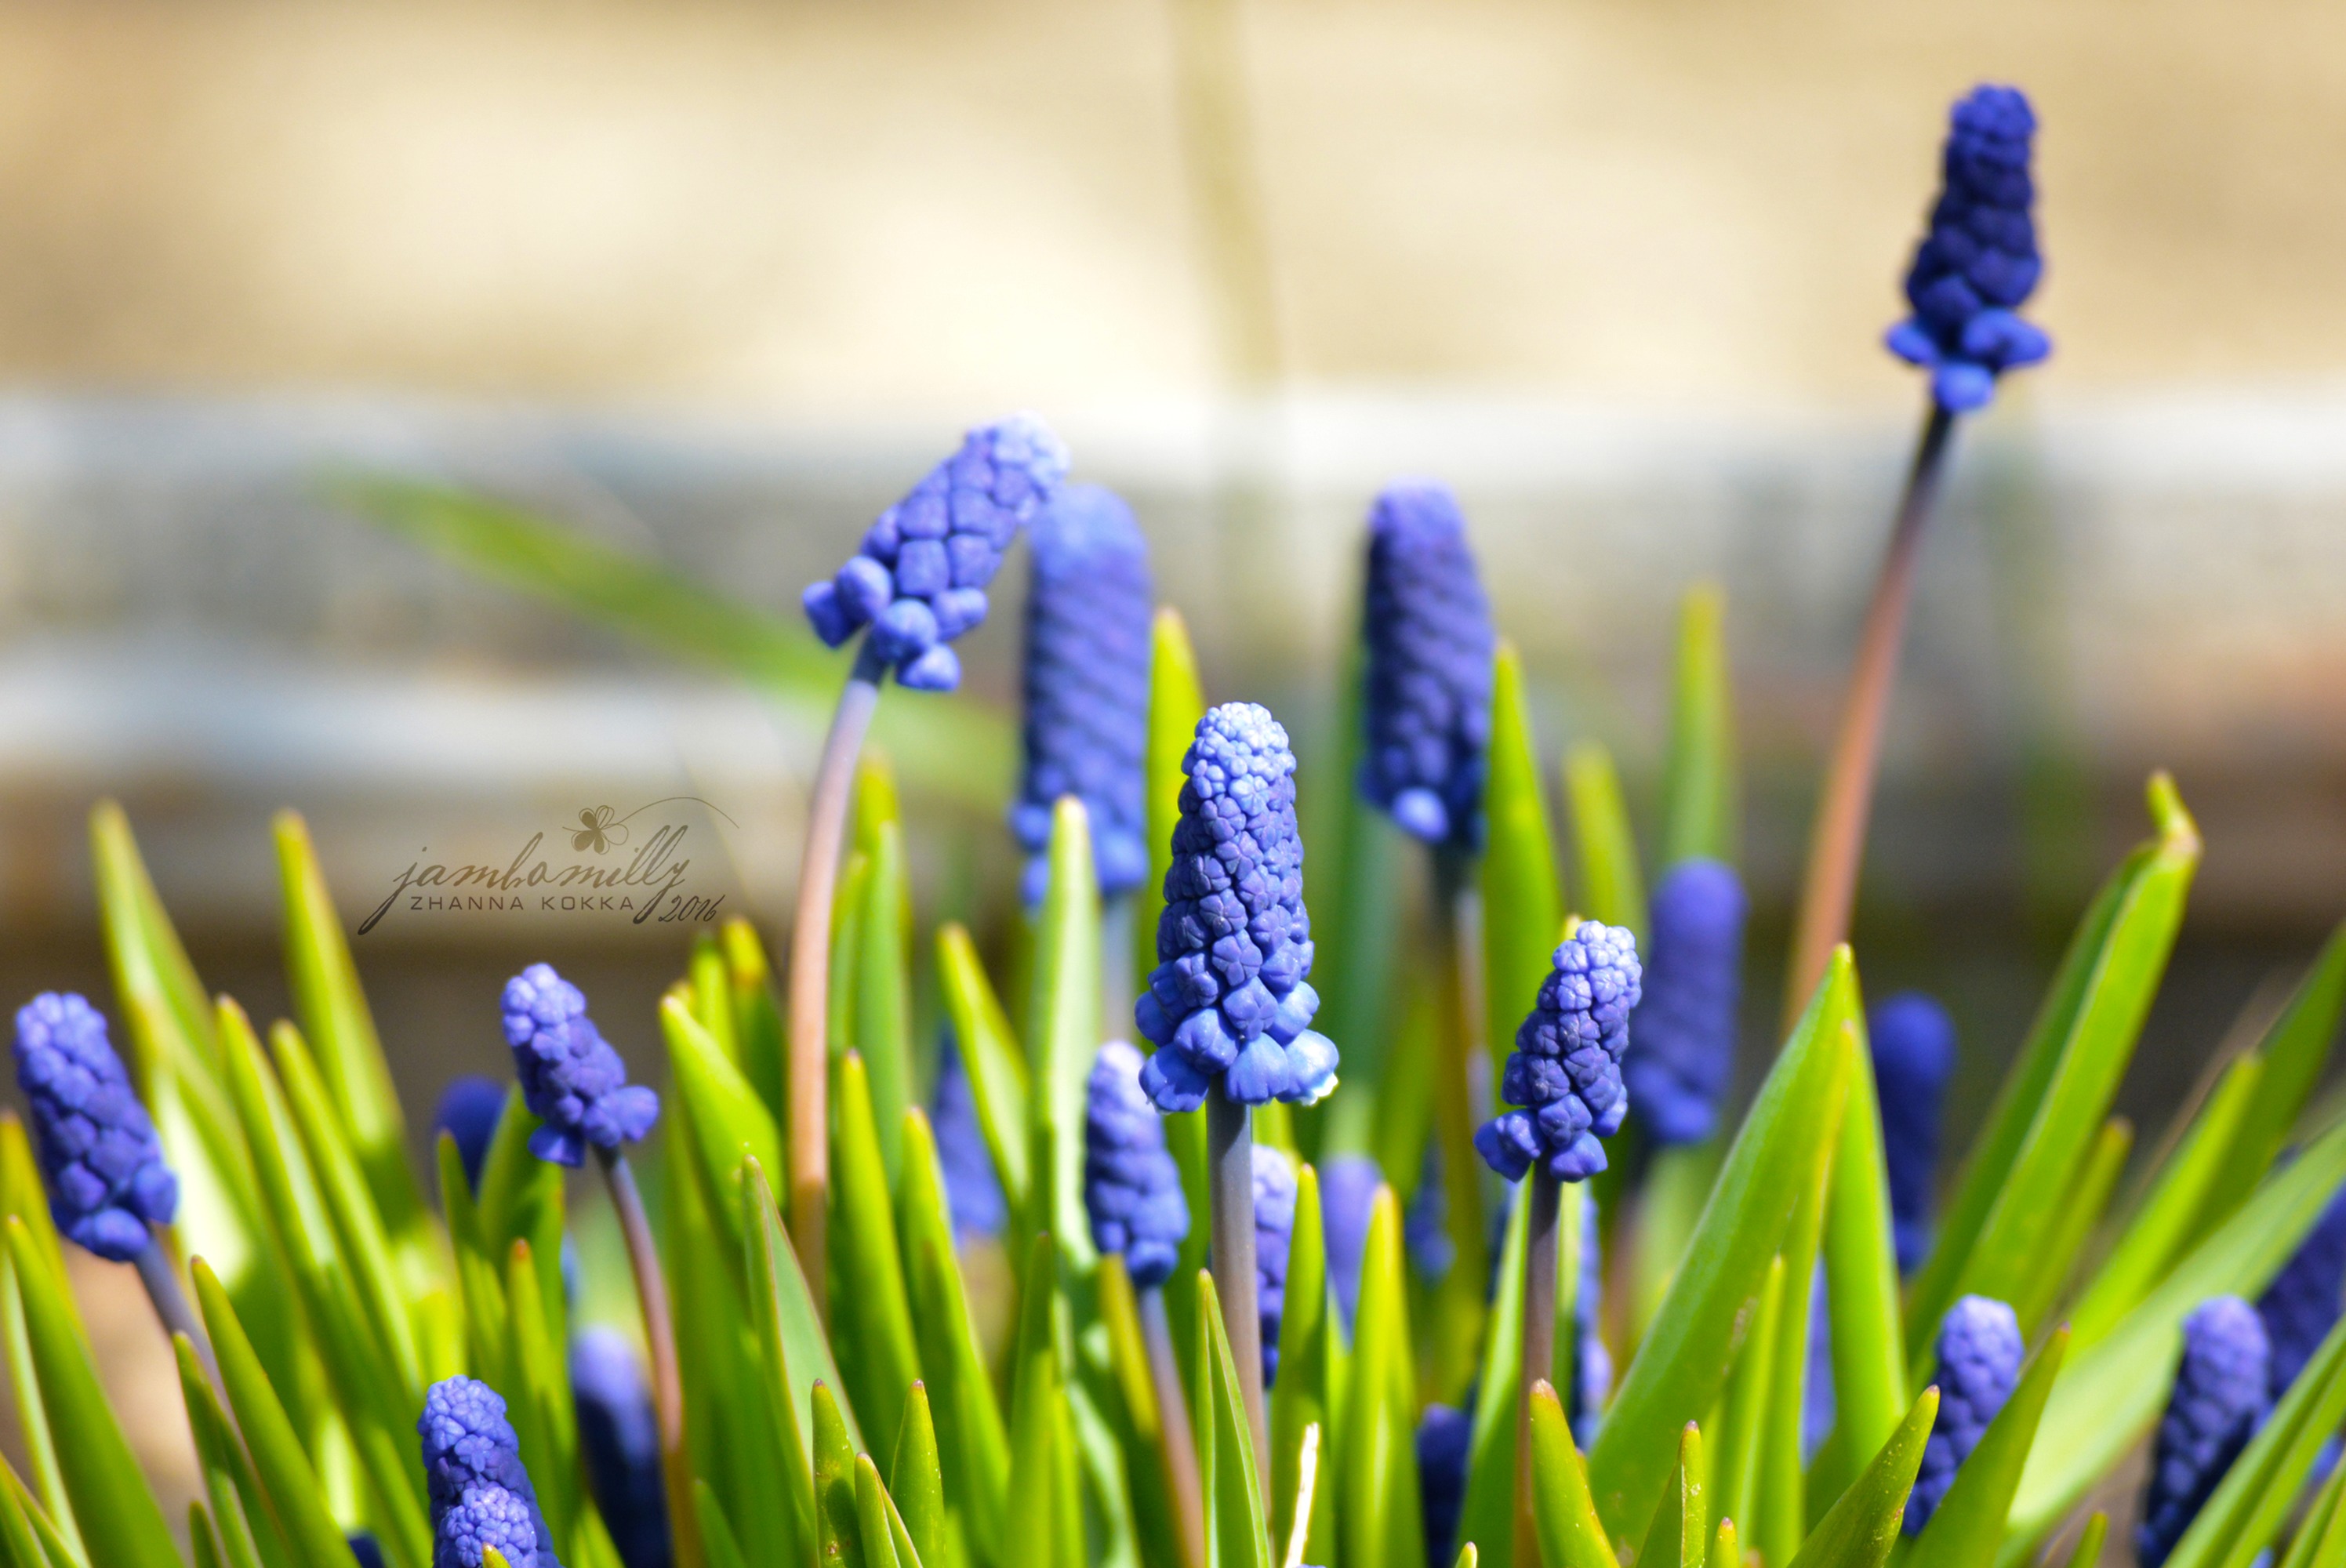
(1545, 1196)
(1181, 1445)
(660, 1337)
(1837, 843)
(1230, 1156)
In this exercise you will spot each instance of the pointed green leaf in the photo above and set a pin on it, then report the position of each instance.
(1724, 1553)
(1377, 1506)
(1868, 1341)
(19, 1547)
(1679, 1536)
(1238, 1535)
(1144, 1458)
(846, 943)
(786, 1313)
(1489, 1514)
(1030, 1518)
(2261, 1487)
(916, 1480)
(881, 1359)
(2081, 1213)
(521, 1199)
(883, 993)
(537, 1396)
(1698, 786)
(1735, 1488)
(839, 1532)
(2320, 1521)
(757, 1018)
(872, 1516)
(1967, 1528)
(239, 1508)
(729, 1122)
(1523, 900)
(1612, 887)
(973, 1442)
(1303, 1396)
(1063, 1022)
(1570, 1534)
(142, 948)
(22, 1199)
(716, 1535)
(711, 990)
(1177, 701)
(2294, 1050)
(1862, 1526)
(1778, 1517)
(2097, 1527)
(990, 1055)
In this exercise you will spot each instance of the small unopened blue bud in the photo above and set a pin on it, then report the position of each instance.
(1978, 263)
(100, 1158)
(1132, 1189)
(480, 1493)
(1426, 702)
(1274, 1238)
(1228, 1001)
(1089, 612)
(1683, 1050)
(618, 1438)
(919, 579)
(1911, 1042)
(470, 1108)
(1564, 1073)
(2219, 1401)
(2300, 1306)
(973, 1188)
(1347, 1194)
(570, 1077)
(1444, 1437)
(1979, 1356)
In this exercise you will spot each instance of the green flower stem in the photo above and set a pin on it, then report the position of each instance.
(1229, 1164)
(1837, 843)
(809, 1102)
(1178, 1443)
(162, 1282)
(660, 1337)
(1547, 1199)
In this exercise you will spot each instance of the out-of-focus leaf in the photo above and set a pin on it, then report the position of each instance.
(521, 1199)
(916, 1481)
(990, 1055)
(883, 987)
(1523, 899)
(1570, 1534)
(728, 1120)
(1777, 1155)
(1677, 1184)
(538, 1392)
(2261, 1487)
(789, 1381)
(1064, 1026)
(1967, 1528)
(875, 1332)
(22, 1199)
(239, 1508)
(1304, 1394)
(846, 943)
(1868, 1344)
(1724, 1553)
(1778, 1516)
(1177, 701)
(839, 1532)
(790, 1309)
(2321, 1538)
(711, 990)
(1612, 885)
(957, 749)
(1735, 1474)
(1378, 1513)
(2295, 1050)
(2097, 1527)
(1489, 1514)
(756, 1017)
(1698, 789)
(1030, 1518)
(19, 1546)
(1861, 1528)
(2089, 1196)
(1142, 1447)
(716, 1533)
(1237, 1533)
(1679, 1536)
(971, 1438)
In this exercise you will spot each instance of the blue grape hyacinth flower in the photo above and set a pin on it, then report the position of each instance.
(1912, 1042)
(570, 1077)
(1444, 1437)
(618, 1440)
(100, 1158)
(480, 1493)
(1274, 1240)
(1564, 1073)
(1425, 707)
(469, 1110)
(1132, 1189)
(2301, 1304)
(1682, 1049)
(1979, 1356)
(1090, 606)
(1978, 261)
(972, 1187)
(919, 578)
(1229, 1002)
(2219, 1399)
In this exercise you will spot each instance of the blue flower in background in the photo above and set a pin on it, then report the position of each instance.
(919, 578)
(366, 1549)
(1229, 1000)
(1978, 263)
(618, 1438)
(972, 1187)
(1566, 1069)
(1444, 1436)
(470, 1108)
(1426, 700)
(1425, 1222)
(480, 1493)
(100, 1158)
(2219, 1401)
(1592, 1370)
(1274, 1240)
(1132, 1189)
(2301, 1304)
(1979, 1356)
(1682, 1053)
(1911, 1042)
(570, 1077)
(1088, 611)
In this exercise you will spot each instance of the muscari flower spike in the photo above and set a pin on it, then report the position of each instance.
(1444, 1436)
(480, 1492)
(1565, 1071)
(1274, 1238)
(1426, 699)
(1089, 607)
(973, 1188)
(2301, 1304)
(1912, 1044)
(1978, 262)
(919, 578)
(470, 1108)
(1979, 1357)
(571, 1078)
(1228, 1001)
(1132, 1189)
(2219, 1401)
(1683, 1051)
(100, 1158)
(618, 1438)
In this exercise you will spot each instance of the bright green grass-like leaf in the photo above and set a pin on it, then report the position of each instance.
(239, 1508)
(846, 943)
(2321, 1538)
(1679, 1536)
(1489, 1514)
(1677, 1183)
(757, 1017)
(142, 948)
(2261, 1487)
(884, 985)
(2081, 1212)
(1140, 1448)
(875, 1334)
(1570, 1534)
(1750, 1389)
(538, 1392)
(19, 1547)
(1177, 701)
(872, 1516)
(840, 1531)
(1724, 1553)
(1310, 1352)
(1612, 885)
(1698, 786)
(971, 1436)
(1030, 1517)
(916, 1482)
(1681, 1367)
(713, 994)
(1778, 1516)
(1237, 1534)
(1523, 900)
(1868, 1344)
(1063, 1022)
(59, 1552)
(787, 1378)
(788, 1308)
(728, 1120)
(1861, 1528)
(22, 1199)
(1967, 1528)
(2089, 1542)
(716, 1535)
(1377, 1506)
(521, 1199)
(990, 1055)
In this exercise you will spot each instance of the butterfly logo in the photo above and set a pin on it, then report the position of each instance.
(597, 830)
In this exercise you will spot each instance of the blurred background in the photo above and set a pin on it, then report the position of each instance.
(706, 285)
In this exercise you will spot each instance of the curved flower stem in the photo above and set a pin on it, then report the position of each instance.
(1180, 1443)
(810, 978)
(1545, 1197)
(162, 1277)
(1230, 1165)
(659, 1336)
(1837, 842)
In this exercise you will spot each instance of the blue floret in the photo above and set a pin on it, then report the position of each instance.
(618, 1438)
(1565, 1071)
(972, 1187)
(2219, 1399)
(1979, 1355)
(100, 1158)
(473, 1475)
(2301, 1304)
(1132, 1189)
(1683, 1049)
(571, 1078)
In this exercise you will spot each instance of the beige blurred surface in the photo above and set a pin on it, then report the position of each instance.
(919, 203)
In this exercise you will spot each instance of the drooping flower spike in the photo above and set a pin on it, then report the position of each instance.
(1426, 702)
(1132, 1189)
(1228, 1001)
(1978, 263)
(1911, 1042)
(1979, 1355)
(972, 1187)
(2301, 1304)
(2219, 1399)
(570, 1077)
(919, 578)
(1682, 1048)
(100, 1158)
(1090, 606)
(1274, 1240)
(480, 1493)
(618, 1440)
(1564, 1073)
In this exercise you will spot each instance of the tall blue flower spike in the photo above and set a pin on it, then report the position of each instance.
(1426, 700)
(472, 1475)
(618, 1438)
(1911, 1042)
(1348, 1192)
(919, 578)
(1425, 1224)
(1683, 1051)
(100, 1158)
(2300, 1306)
(1592, 1371)
(1089, 607)
(1978, 263)
(1230, 1001)
(470, 1108)
(570, 1077)
(1274, 1238)
(1444, 1437)
(973, 1188)
(2219, 1401)
(1132, 1189)
(1565, 1071)
(1979, 1357)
